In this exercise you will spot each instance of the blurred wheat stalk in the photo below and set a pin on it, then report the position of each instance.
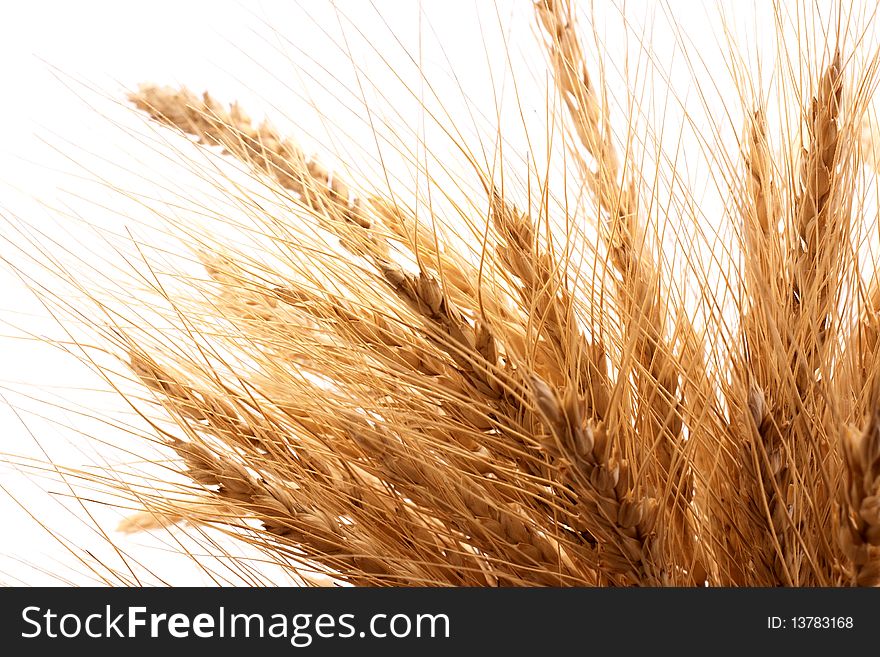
(389, 411)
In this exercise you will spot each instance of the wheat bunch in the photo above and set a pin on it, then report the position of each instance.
(375, 401)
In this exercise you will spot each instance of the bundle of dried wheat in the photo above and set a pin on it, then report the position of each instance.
(387, 410)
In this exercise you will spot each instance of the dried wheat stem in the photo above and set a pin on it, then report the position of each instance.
(620, 519)
(860, 515)
(761, 214)
(643, 310)
(640, 297)
(761, 459)
(545, 296)
(767, 465)
(821, 222)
